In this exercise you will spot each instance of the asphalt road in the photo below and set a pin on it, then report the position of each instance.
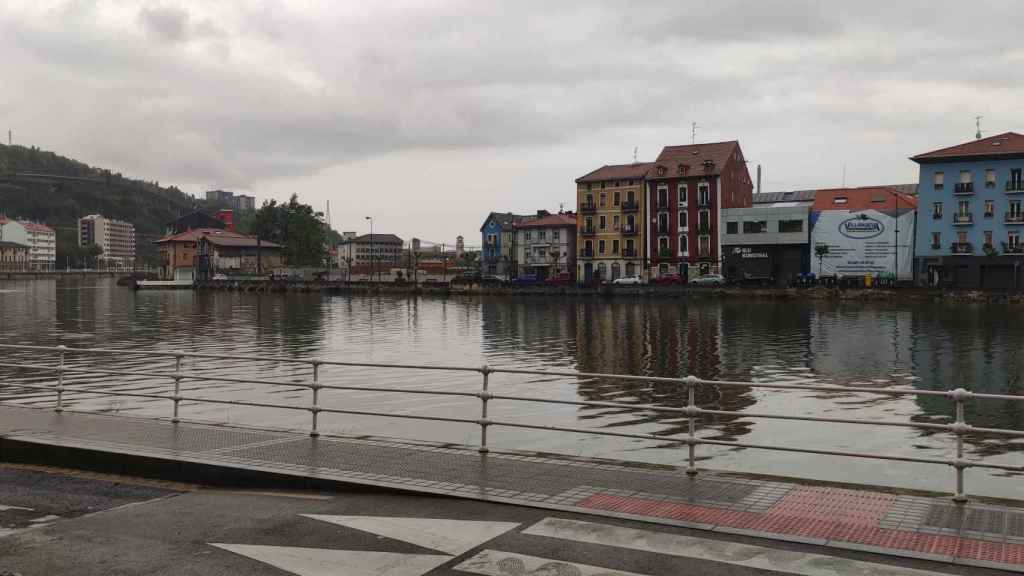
(68, 523)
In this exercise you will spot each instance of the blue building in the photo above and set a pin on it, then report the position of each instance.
(971, 214)
(497, 235)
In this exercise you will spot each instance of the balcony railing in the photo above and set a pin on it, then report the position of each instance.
(585, 231)
(630, 206)
(964, 188)
(586, 253)
(963, 218)
(1014, 217)
(961, 248)
(1015, 186)
(629, 252)
(663, 230)
(704, 200)
(588, 208)
(936, 215)
(1015, 248)
(630, 230)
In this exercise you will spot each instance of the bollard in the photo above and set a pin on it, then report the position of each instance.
(60, 381)
(960, 427)
(316, 399)
(484, 397)
(691, 404)
(177, 387)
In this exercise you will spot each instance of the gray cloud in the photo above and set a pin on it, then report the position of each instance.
(266, 96)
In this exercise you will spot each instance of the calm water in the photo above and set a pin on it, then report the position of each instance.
(926, 346)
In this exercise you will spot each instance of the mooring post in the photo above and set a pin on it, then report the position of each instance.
(485, 395)
(177, 386)
(315, 409)
(60, 380)
(691, 407)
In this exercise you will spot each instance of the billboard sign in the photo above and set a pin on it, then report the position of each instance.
(862, 243)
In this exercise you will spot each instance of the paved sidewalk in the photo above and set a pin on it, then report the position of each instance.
(915, 526)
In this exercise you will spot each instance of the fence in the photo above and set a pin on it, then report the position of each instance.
(959, 428)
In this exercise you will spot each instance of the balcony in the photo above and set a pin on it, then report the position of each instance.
(587, 253)
(961, 248)
(936, 215)
(963, 188)
(585, 231)
(664, 253)
(704, 200)
(630, 206)
(629, 252)
(1014, 217)
(663, 230)
(588, 208)
(963, 218)
(1015, 248)
(1014, 186)
(630, 230)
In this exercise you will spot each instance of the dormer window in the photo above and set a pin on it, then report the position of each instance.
(662, 170)
(681, 169)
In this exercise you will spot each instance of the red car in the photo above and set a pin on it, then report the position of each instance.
(669, 280)
(560, 279)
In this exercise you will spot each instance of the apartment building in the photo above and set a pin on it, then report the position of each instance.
(115, 237)
(610, 222)
(545, 246)
(40, 239)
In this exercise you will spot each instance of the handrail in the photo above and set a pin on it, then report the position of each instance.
(959, 428)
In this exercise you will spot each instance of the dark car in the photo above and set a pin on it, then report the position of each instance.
(560, 279)
(669, 280)
(527, 280)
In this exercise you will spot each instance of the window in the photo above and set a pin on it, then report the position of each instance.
(936, 239)
(589, 224)
(704, 246)
(682, 194)
(663, 246)
(590, 201)
(988, 238)
(703, 194)
(604, 221)
(542, 234)
(631, 197)
(663, 223)
(615, 246)
(630, 223)
(602, 185)
(683, 244)
(589, 186)
(963, 207)
(755, 227)
(615, 222)
(588, 247)
(1013, 241)
(791, 226)
(839, 200)
(965, 176)
(990, 208)
(492, 239)
(555, 234)
(990, 178)
(704, 221)
(527, 234)
(604, 199)
(938, 179)
(1016, 175)
(600, 246)
(937, 210)
(732, 227)
(629, 245)
(662, 268)
(662, 196)
(1014, 214)
(616, 198)
(682, 220)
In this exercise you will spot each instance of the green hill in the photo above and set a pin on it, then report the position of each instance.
(55, 190)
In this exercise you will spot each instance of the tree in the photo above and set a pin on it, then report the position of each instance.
(297, 227)
(820, 250)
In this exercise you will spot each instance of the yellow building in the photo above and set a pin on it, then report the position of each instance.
(610, 226)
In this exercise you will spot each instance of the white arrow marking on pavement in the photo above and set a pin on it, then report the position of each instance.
(452, 536)
(321, 562)
(3, 508)
(495, 563)
(785, 561)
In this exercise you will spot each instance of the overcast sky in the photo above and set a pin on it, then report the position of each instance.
(428, 115)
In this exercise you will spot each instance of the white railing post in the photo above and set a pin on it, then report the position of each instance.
(315, 408)
(485, 395)
(960, 427)
(691, 406)
(177, 387)
(60, 380)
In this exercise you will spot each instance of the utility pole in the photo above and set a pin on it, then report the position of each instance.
(693, 133)
(977, 123)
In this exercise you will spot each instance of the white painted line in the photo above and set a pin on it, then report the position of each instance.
(785, 561)
(323, 562)
(3, 508)
(47, 518)
(451, 536)
(495, 563)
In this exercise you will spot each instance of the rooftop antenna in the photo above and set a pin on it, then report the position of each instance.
(844, 174)
(977, 122)
(693, 133)
(635, 150)
(9, 138)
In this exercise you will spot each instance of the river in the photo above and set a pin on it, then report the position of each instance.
(921, 345)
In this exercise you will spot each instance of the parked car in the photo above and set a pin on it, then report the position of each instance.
(560, 279)
(669, 280)
(627, 280)
(708, 280)
(527, 280)
(220, 276)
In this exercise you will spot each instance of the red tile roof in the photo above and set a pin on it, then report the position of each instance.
(1009, 143)
(880, 198)
(693, 158)
(37, 227)
(216, 236)
(550, 221)
(634, 171)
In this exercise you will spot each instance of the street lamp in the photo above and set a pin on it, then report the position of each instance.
(373, 257)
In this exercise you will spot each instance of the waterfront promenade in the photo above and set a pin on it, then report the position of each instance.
(979, 533)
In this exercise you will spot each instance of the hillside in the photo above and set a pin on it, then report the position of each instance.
(59, 202)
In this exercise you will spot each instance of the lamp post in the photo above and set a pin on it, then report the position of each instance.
(373, 257)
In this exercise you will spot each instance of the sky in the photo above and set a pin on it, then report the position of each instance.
(427, 115)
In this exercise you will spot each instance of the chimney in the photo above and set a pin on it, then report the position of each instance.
(227, 217)
(758, 178)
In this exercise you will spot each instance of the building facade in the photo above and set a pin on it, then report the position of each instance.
(40, 239)
(545, 246)
(610, 231)
(13, 256)
(497, 236)
(233, 254)
(383, 250)
(687, 188)
(116, 238)
(769, 241)
(971, 216)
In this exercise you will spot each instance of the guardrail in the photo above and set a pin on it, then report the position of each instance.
(691, 411)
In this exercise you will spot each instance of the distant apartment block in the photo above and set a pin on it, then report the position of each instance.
(545, 246)
(239, 202)
(40, 239)
(116, 238)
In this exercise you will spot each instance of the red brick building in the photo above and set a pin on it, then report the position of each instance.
(687, 187)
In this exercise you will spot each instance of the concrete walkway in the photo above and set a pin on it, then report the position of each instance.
(931, 528)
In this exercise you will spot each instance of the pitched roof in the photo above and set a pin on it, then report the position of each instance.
(788, 196)
(1006, 144)
(636, 170)
(9, 244)
(697, 159)
(880, 198)
(550, 221)
(376, 239)
(216, 235)
(506, 219)
(241, 242)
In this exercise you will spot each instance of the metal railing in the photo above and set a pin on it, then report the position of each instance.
(692, 411)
